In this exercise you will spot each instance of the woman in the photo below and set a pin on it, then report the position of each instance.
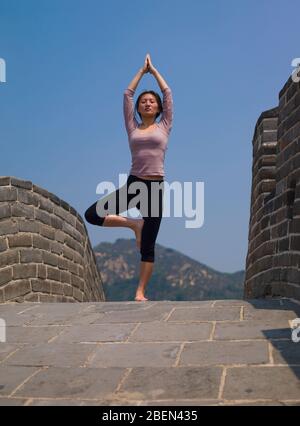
(148, 142)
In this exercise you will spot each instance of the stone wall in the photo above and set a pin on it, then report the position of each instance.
(45, 252)
(273, 258)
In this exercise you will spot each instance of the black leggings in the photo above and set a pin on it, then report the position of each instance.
(152, 219)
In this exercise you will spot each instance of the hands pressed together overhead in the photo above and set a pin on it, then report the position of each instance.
(148, 67)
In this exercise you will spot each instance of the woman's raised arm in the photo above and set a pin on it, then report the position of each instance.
(161, 82)
(167, 114)
(128, 103)
(135, 81)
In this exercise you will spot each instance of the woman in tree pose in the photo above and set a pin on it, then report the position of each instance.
(148, 142)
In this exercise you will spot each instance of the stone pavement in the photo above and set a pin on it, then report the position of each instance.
(223, 352)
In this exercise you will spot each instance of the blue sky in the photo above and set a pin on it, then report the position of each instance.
(68, 63)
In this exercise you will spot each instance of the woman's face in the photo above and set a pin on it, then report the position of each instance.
(148, 105)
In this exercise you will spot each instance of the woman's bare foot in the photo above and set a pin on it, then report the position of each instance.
(140, 298)
(138, 231)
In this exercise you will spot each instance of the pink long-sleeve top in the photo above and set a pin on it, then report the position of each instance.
(148, 147)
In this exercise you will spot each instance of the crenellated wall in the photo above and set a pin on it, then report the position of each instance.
(273, 258)
(45, 251)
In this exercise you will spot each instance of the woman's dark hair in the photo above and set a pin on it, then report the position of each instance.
(158, 100)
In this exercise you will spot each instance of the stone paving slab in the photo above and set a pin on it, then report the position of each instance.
(171, 383)
(152, 313)
(12, 377)
(262, 383)
(6, 349)
(286, 352)
(268, 314)
(225, 353)
(57, 382)
(222, 352)
(222, 313)
(166, 331)
(30, 334)
(55, 354)
(135, 355)
(96, 333)
(252, 329)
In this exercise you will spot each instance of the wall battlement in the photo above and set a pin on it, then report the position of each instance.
(45, 251)
(273, 258)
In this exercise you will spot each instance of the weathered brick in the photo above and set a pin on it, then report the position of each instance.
(20, 183)
(27, 197)
(3, 244)
(48, 298)
(4, 180)
(8, 193)
(65, 277)
(47, 232)
(31, 255)
(295, 242)
(20, 240)
(67, 290)
(77, 294)
(68, 253)
(40, 285)
(56, 247)
(16, 289)
(5, 210)
(32, 297)
(8, 227)
(28, 226)
(80, 271)
(296, 208)
(22, 210)
(41, 191)
(65, 205)
(46, 204)
(43, 216)
(53, 274)
(9, 258)
(77, 281)
(73, 268)
(57, 288)
(80, 228)
(40, 242)
(6, 275)
(63, 299)
(283, 244)
(56, 222)
(50, 259)
(54, 198)
(70, 242)
(41, 271)
(77, 258)
(63, 263)
(293, 276)
(70, 230)
(25, 270)
(59, 236)
(73, 244)
(66, 216)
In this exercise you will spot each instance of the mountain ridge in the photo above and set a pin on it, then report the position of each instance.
(176, 276)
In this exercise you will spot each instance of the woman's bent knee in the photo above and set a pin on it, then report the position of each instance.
(92, 217)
